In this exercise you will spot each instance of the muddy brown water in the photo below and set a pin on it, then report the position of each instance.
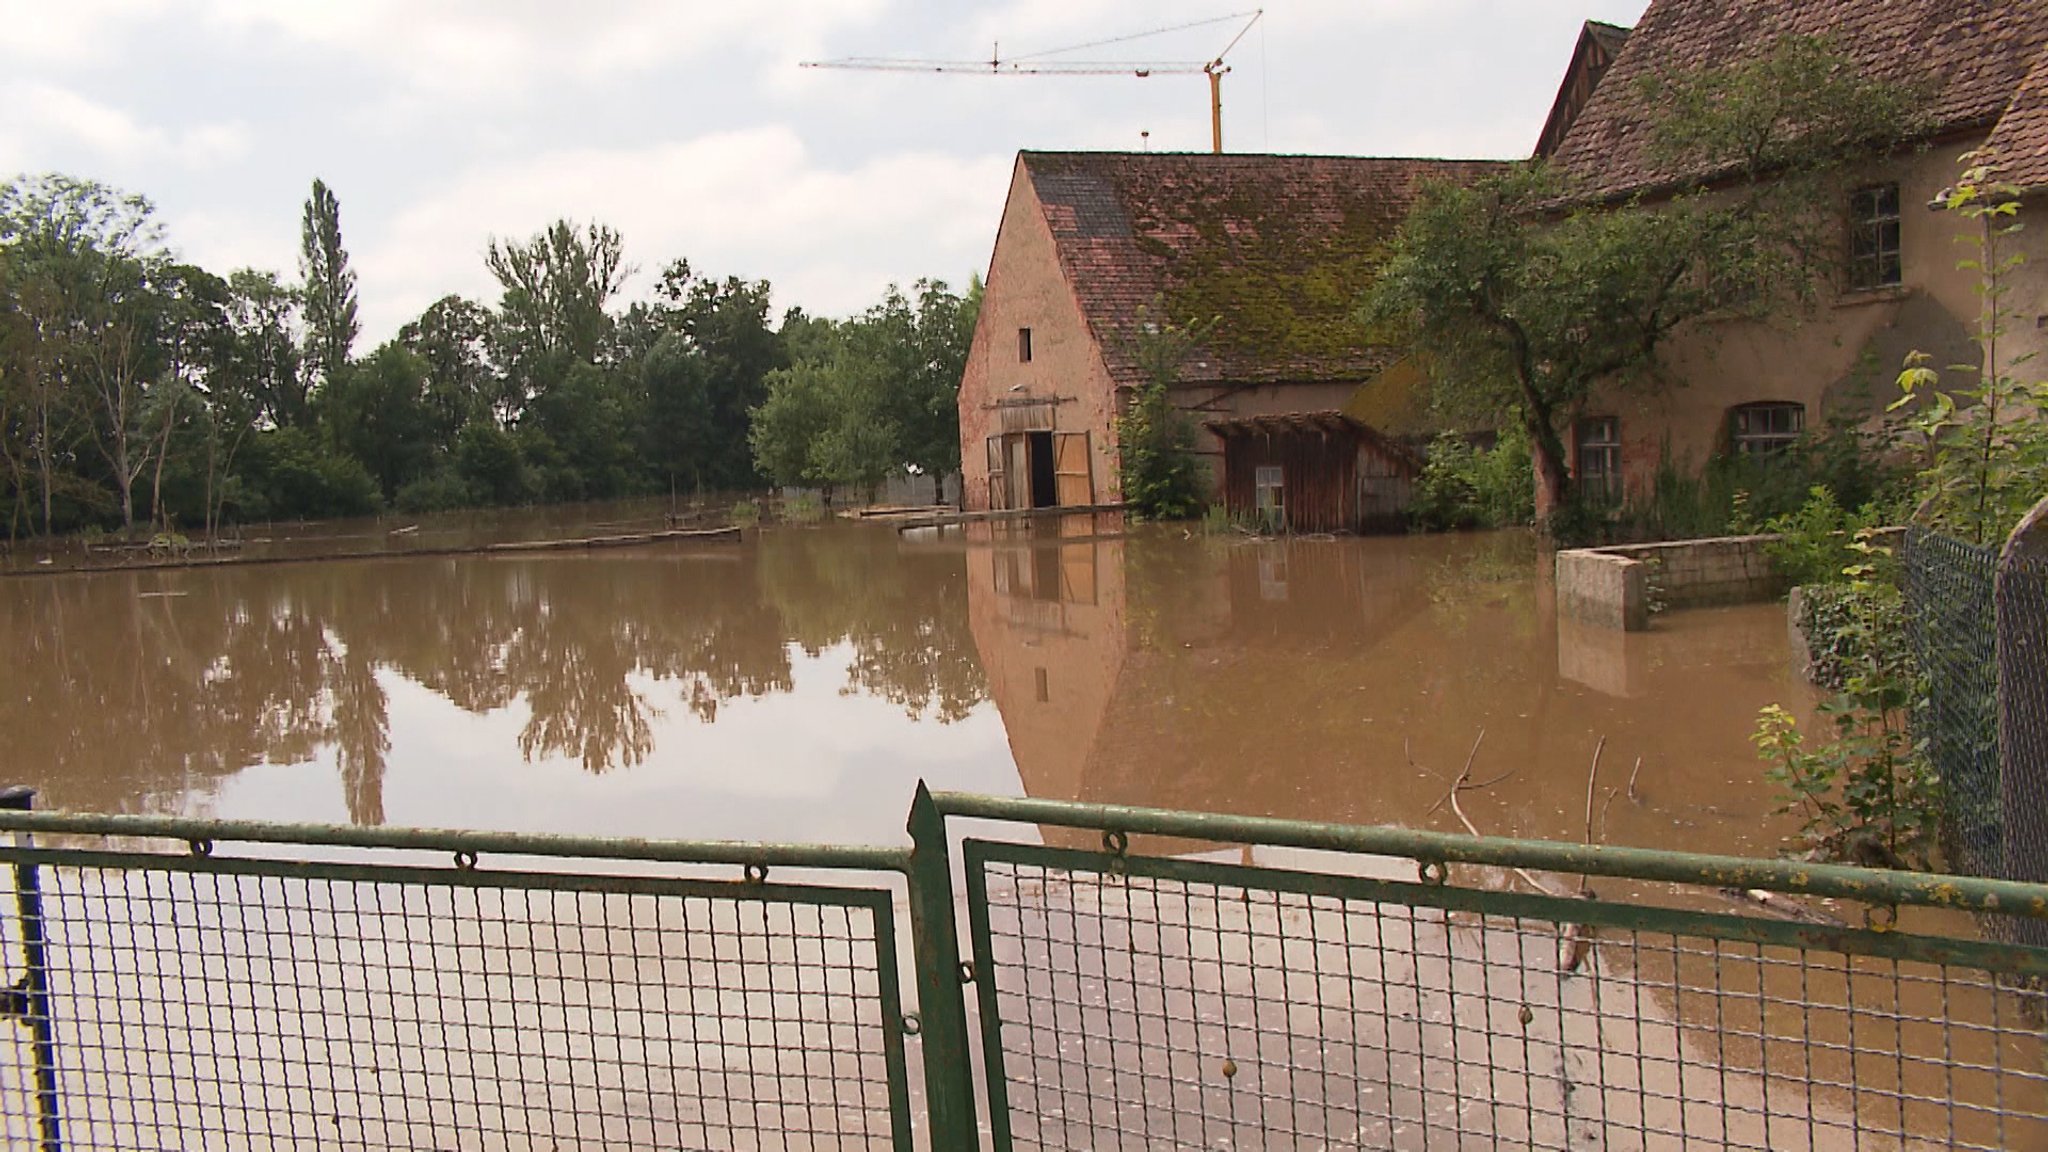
(797, 686)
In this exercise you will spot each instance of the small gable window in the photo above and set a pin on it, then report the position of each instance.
(1023, 345)
(1765, 429)
(1599, 445)
(1874, 238)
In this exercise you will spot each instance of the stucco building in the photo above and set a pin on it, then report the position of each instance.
(1276, 250)
(1745, 385)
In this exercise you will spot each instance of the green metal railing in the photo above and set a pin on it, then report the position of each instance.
(1258, 983)
(1084, 976)
(190, 984)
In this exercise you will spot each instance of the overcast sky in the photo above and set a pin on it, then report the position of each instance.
(689, 126)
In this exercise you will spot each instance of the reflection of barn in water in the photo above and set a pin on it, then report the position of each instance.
(1125, 677)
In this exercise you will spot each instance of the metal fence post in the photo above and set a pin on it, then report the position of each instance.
(33, 993)
(942, 1010)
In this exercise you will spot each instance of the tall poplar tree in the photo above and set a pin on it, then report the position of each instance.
(330, 286)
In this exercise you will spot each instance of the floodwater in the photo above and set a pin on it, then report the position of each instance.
(797, 685)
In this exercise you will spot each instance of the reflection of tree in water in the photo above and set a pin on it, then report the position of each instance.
(125, 698)
(362, 737)
(902, 610)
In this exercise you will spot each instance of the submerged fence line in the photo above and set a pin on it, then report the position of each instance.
(1083, 975)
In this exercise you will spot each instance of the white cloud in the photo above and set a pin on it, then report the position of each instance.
(69, 31)
(485, 48)
(58, 119)
(751, 202)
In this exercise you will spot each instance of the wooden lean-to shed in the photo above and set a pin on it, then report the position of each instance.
(1314, 472)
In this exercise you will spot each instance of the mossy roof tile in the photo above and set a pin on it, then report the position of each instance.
(1277, 249)
(1975, 53)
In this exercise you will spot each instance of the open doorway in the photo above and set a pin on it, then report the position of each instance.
(1045, 491)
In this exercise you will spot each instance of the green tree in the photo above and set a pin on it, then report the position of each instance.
(726, 323)
(452, 337)
(1526, 302)
(91, 258)
(1160, 476)
(330, 287)
(557, 287)
(378, 414)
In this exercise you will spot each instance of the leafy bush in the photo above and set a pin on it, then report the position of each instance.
(1466, 487)
(803, 508)
(1867, 791)
(1816, 544)
(746, 513)
(302, 478)
(1162, 479)
(438, 491)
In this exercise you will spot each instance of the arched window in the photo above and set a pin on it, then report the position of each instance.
(1765, 428)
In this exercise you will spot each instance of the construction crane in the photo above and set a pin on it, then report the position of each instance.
(1038, 64)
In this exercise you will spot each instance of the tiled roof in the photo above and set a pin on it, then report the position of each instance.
(2020, 141)
(1974, 52)
(1277, 248)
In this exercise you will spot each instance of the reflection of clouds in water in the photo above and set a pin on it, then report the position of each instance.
(808, 764)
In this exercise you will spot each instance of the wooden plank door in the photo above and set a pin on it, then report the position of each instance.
(1074, 477)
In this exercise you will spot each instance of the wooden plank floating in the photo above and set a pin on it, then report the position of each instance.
(515, 548)
(629, 540)
(950, 519)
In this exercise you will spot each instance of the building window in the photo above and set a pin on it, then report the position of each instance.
(1599, 471)
(1269, 497)
(1874, 237)
(1023, 345)
(1766, 429)
(1043, 685)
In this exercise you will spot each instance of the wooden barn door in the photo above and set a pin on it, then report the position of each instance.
(1074, 480)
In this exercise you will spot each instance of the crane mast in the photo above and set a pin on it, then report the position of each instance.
(1036, 64)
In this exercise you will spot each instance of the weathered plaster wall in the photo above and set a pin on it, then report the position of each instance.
(1026, 288)
(1841, 359)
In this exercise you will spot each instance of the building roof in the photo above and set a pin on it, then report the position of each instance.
(1277, 248)
(2020, 142)
(1975, 53)
(1594, 54)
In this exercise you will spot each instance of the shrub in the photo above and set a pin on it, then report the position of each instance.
(441, 490)
(1466, 487)
(1867, 791)
(1162, 479)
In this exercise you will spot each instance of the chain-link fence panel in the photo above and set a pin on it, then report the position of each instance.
(1131, 1002)
(191, 1000)
(1950, 612)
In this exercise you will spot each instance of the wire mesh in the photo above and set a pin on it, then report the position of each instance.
(1950, 612)
(1980, 632)
(266, 1004)
(1141, 1003)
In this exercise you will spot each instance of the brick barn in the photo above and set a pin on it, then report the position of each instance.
(1276, 250)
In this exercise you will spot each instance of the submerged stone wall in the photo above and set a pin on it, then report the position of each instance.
(1614, 587)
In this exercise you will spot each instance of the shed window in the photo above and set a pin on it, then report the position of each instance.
(1023, 345)
(1599, 444)
(1766, 429)
(1874, 237)
(1269, 497)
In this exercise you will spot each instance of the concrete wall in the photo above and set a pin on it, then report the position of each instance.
(1843, 358)
(1065, 386)
(1614, 587)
